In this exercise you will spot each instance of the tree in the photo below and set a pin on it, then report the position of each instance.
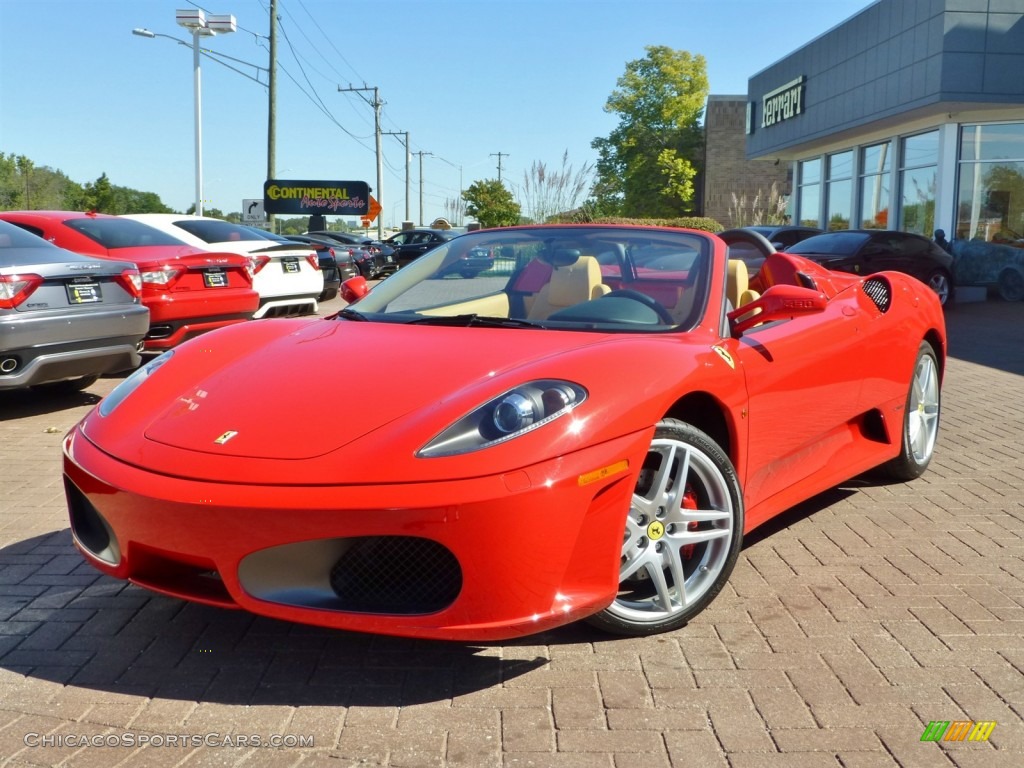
(547, 193)
(491, 204)
(647, 165)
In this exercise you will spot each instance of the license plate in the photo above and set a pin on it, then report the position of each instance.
(84, 293)
(213, 279)
(290, 265)
(390, 258)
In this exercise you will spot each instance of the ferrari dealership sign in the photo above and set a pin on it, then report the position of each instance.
(783, 103)
(328, 198)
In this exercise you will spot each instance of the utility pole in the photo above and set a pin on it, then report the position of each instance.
(499, 155)
(421, 154)
(272, 107)
(376, 104)
(407, 162)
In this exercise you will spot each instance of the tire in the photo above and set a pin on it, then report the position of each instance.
(920, 419)
(1011, 285)
(941, 282)
(689, 533)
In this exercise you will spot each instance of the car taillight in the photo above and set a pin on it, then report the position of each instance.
(131, 281)
(161, 278)
(314, 261)
(14, 289)
(258, 263)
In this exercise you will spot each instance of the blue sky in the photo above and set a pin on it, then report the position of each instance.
(468, 79)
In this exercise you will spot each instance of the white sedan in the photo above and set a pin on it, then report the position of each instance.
(286, 276)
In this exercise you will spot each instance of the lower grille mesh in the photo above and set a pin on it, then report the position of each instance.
(396, 574)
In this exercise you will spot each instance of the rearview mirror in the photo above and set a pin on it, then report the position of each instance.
(780, 302)
(354, 289)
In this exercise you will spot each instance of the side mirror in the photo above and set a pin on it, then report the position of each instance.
(354, 289)
(780, 302)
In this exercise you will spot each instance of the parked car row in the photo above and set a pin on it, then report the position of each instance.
(68, 280)
(65, 319)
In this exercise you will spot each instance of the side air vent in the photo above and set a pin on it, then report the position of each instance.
(880, 292)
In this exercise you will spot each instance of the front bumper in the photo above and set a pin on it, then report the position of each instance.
(533, 549)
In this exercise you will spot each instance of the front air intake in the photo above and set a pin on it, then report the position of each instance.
(396, 574)
(880, 292)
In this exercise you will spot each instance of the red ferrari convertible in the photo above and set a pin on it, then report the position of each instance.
(585, 429)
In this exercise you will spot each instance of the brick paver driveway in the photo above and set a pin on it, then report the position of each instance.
(850, 624)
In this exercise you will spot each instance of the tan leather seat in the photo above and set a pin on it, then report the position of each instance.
(568, 286)
(737, 288)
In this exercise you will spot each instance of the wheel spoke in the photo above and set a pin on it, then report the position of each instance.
(685, 537)
(664, 592)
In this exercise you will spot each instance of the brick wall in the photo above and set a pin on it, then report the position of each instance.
(726, 168)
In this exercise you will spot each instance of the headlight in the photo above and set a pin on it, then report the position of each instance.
(510, 415)
(129, 385)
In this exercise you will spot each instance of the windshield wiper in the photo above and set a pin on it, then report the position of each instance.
(474, 319)
(351, 314)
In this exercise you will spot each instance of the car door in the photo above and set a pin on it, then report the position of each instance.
(804, 391)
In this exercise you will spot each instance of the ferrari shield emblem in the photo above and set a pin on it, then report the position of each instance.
(724, 354)
(225, 437)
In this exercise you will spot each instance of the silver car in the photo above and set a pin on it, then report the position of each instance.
(65, 319)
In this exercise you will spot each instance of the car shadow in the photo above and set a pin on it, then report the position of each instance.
(63, 622)
(25, 403)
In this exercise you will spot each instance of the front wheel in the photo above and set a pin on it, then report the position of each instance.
(683, 534)
(920, 419)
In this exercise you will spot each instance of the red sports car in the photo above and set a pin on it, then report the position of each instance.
(586, 434)
(188, 291)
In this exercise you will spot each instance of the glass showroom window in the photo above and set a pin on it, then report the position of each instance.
(874, 186)
(840, 190)
(918, 181)
(809, 200)
(989, 239)
(991, 183)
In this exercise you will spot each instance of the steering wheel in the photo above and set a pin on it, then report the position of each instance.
(643, 298)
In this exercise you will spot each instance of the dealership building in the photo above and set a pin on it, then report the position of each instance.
(909, 115)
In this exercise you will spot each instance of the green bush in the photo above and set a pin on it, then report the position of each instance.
(702, 223)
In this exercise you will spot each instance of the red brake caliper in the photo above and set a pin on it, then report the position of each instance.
(689, 502)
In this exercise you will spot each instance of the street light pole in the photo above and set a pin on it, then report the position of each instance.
(197, 79)
(196, 21)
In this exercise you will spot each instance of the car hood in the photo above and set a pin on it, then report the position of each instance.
(300, 389)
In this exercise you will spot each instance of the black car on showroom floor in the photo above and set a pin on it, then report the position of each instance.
(865, 251)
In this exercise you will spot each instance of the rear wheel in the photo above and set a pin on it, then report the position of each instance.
(683, 534)
(920, 419)
(1011, 285)
(941, 282)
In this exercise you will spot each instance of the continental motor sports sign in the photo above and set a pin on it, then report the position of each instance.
(329, 198)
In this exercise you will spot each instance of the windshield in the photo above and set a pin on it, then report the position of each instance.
(602, 278)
